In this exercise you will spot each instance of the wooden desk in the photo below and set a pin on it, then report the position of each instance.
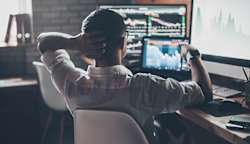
(17, 82)
(215, 125)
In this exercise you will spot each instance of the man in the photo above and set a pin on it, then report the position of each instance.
(109, 85)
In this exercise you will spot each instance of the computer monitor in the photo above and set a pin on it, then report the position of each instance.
(221, 30)
(151, 20)
(161, 53)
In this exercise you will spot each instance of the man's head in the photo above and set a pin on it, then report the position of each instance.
(111, 26)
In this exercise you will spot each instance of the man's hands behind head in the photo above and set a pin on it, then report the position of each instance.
(91, 45)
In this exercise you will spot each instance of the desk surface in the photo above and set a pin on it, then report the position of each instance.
(215, 125)
(17, 82)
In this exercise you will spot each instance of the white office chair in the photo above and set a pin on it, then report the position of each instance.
(106, 127)
(51, 97)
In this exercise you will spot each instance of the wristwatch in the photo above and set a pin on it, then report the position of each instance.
(193, 54)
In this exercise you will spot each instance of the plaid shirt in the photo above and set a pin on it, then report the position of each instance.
(116, 88)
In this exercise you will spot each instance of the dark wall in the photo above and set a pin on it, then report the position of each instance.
(49, 15)
(64, 15)
(61, 16)
(12, 61)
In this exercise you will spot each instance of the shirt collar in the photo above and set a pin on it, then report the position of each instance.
(111, 70)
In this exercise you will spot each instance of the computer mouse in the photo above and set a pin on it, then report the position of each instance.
(229, 105)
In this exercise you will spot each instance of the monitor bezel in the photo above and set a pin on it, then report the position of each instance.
(226, 60)
(167, 4)
(137, 4)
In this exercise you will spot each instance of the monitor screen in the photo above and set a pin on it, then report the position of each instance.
(151, 20)
(163, 54)
(221, 30)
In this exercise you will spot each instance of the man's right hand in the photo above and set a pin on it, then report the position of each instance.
(186, 48)
(199, 72)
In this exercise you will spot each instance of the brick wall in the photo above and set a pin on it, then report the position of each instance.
(64, 15)
(61, 16)
(12, 61)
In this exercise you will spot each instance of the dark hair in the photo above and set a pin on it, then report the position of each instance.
(109, 23)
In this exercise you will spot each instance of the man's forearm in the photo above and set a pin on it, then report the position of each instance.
(55, 40)
(201, 76)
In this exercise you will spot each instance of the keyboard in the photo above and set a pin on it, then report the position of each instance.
(224, 91)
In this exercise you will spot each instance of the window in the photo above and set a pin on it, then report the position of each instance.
(12, 7)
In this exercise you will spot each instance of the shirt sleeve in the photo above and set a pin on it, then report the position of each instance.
(157, 94)
(63, 71)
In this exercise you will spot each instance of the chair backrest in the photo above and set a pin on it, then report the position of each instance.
(51, 96)
(106, 127)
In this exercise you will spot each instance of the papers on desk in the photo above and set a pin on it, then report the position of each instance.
(224, 92)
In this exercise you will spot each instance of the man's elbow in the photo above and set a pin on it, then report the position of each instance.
(208, 93)
(208, 96)
(41, 42)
